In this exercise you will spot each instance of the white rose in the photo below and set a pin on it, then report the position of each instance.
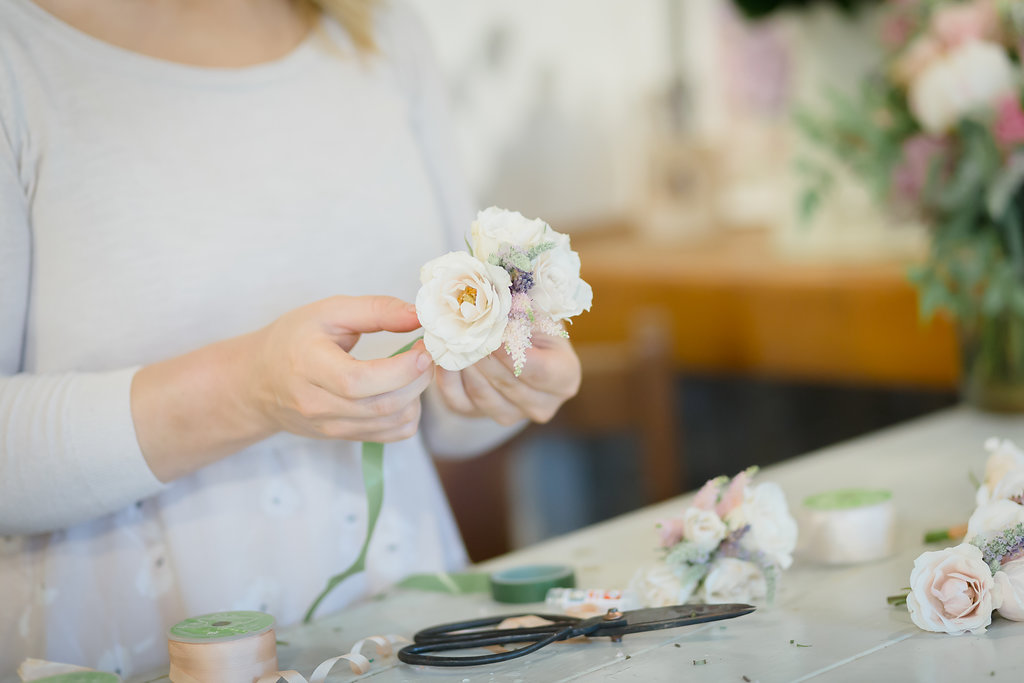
(732, 580)
(463, 305)
(558, 290)
(952, 591)
(773, 531)
(965, 80)
(1010, 582)
(1004, 472)
(494, 226)
(659, 586)
(703, 528)
(993, 517)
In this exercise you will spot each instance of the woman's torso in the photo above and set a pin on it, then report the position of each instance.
(172, 206)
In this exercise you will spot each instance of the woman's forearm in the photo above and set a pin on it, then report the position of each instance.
(195, 409)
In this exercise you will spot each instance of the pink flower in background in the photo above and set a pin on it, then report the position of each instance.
(897, 27)
(921, 153)
(707, 497)
(955, 25)
(733, 496)
(670, 531)
(1009, 126)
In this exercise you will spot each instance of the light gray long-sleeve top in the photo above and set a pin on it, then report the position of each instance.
(148, 208)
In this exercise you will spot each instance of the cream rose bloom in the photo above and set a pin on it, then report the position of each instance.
(952, 591)
(494, 226)
(733, 580)
(964, 80)
(992, 518)
(558, 290)
(1010, 582)
(773, 531)
(703, 528)
(660, 587)
(1004, 472)
(463, 305)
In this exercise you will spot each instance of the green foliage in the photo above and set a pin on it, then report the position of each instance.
(974, 203)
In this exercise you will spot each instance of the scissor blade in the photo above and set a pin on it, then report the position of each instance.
(654, 618)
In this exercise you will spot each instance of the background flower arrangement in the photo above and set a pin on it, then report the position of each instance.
(730, 545)
(956, 590)
(938, 134)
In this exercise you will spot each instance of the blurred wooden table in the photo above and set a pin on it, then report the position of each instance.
(737, 305)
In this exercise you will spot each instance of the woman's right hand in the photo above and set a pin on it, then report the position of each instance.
(294, 375)
(305, 381)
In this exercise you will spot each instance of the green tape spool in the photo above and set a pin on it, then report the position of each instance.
(530, 583)
(220, 627)
(845, 499)
(80, 677)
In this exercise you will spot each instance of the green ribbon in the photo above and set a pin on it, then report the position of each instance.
(373, 482)
(452, 583)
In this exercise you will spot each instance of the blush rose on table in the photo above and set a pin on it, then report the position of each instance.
(956, 590)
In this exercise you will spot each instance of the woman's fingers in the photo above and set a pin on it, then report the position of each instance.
(449, 383)
(488, 398)
(342, 375)
(491, 388)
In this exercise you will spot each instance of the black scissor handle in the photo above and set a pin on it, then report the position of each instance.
(459, 636)
(462, 631)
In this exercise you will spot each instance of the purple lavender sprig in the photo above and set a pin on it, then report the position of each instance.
(731, 546)
(1002, 548)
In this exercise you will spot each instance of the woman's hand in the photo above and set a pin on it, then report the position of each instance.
(490, 388)
(294, 375)
(308, 384)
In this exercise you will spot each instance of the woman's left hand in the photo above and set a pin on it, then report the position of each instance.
(489, 388)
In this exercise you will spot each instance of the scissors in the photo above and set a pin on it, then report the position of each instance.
(462, 635)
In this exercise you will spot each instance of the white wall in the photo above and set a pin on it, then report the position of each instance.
(547, 96)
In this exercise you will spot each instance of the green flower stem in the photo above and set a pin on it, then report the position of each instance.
(373, 482)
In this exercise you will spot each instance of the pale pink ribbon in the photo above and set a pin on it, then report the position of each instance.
(356, 660)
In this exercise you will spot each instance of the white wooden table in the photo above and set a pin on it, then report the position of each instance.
(839, 615)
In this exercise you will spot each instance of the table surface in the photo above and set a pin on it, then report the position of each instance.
(839, 614)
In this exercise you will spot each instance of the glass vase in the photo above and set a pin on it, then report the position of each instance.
(992, 362)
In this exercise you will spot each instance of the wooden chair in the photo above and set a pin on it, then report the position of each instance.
(628, 388)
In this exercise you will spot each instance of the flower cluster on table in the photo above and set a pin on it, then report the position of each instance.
(956, 590)
(938, 133)
(730, 545)
(520, 276)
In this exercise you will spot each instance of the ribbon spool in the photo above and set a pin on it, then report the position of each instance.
(848, 526)
(222, 647)
(43, 671)
(530, 583)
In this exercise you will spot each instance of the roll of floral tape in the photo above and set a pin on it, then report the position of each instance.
(530, 583)
(847, 526)
(223, 647)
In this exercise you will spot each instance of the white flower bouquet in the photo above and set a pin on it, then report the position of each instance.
(957, 589)
(730, 545)
(518, 276)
